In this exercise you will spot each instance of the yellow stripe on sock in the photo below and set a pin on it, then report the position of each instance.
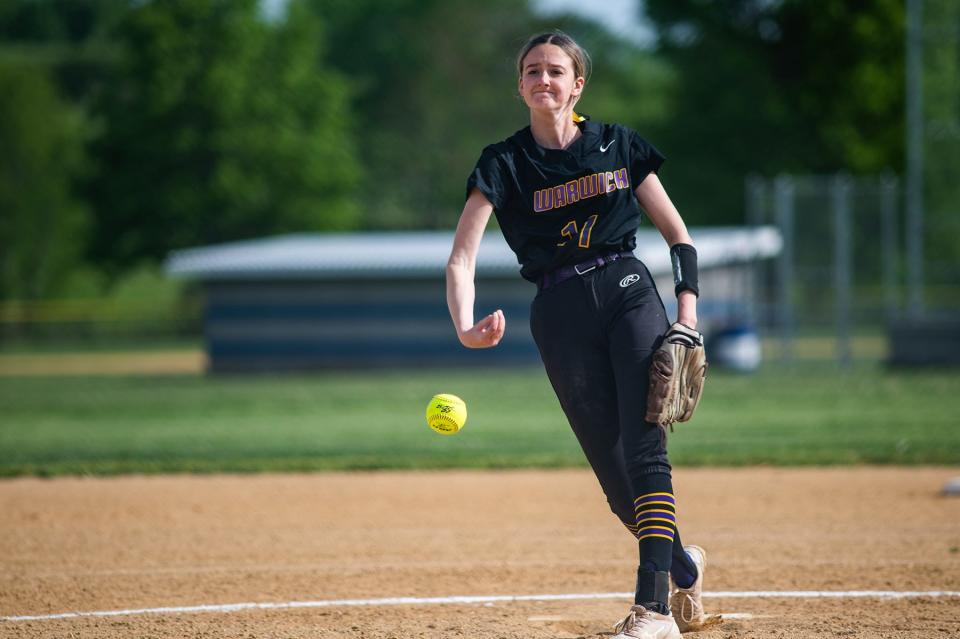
(653, 526)
(655, 535)
(669, 521)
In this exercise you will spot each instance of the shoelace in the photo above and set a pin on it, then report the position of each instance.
(694, 612)
(632, 621)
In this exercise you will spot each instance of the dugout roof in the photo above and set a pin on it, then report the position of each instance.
(417, 255)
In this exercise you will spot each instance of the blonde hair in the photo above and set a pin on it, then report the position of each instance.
(577, 54)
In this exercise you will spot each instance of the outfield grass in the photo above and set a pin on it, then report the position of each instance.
(360, 420)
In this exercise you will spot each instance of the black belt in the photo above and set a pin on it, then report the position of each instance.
(564, 273)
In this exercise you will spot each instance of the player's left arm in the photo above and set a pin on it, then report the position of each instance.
(660, 209)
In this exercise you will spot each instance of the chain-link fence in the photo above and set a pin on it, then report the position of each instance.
(841, 281)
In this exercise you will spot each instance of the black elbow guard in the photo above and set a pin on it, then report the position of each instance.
(684, 260)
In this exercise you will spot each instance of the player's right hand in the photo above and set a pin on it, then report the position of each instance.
(486, 333)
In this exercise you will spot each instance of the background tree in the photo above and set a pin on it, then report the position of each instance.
(215, 123)
(941, 144)
(219, 126)
(72, 40)
(778, 86)
(52, 55)
(42, 222)
(432, 81)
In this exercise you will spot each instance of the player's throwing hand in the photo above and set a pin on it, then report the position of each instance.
(486, 333)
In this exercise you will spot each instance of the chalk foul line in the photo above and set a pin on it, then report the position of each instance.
(487, 599)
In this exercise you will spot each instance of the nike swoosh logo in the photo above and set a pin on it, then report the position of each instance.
(603, 148)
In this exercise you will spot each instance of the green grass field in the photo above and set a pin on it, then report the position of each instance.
(363, 420)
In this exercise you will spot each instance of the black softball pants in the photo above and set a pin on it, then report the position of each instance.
(596, 334)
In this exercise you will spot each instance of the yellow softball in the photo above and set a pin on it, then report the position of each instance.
(446, 414)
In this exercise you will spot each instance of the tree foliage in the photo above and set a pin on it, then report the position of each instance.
(71, 39)
(42, 221)
(219, 126)
(940, 42)
(779, 86)
(212, 122)
(432, 84)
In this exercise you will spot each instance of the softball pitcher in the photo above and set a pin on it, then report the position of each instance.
(565, 191)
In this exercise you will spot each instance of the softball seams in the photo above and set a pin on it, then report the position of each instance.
(444, 418)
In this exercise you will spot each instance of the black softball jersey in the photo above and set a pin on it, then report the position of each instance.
(559, 207)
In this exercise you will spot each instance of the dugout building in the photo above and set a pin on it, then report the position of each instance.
(315, 301)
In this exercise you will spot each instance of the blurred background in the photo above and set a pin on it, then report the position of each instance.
(131, 129)
(134, 130)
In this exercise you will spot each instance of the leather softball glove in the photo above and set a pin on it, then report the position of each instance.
(676, 376)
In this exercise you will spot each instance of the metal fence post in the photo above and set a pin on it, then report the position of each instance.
(914, 143)
(889, 201)
(783, 211)
(842, 264)
(755, 284)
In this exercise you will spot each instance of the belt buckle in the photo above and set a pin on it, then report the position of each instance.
(576, 267)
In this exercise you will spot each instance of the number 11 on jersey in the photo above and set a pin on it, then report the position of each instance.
(570, 230)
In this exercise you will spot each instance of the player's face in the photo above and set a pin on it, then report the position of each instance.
(548, 81)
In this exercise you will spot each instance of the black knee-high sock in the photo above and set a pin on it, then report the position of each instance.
(655, 509)
(682, 568)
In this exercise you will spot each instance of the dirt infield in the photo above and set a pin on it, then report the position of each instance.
(148, 542)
